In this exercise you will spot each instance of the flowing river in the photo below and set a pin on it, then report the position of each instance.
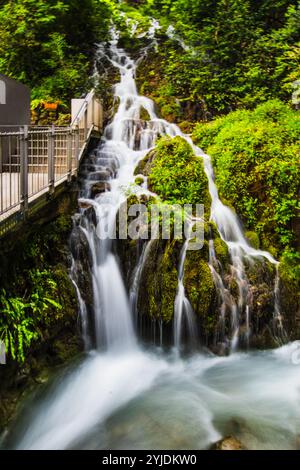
(120, 395)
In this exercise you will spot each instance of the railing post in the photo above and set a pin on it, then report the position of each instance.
(77, 145)
(100, 111)
(85, 123)
(93, 111)
(24, 170)
(69, 154)
(51, 159)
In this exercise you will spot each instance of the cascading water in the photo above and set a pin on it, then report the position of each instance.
(119, 396)
(183, 312)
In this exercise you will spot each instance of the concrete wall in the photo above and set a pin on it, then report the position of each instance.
(14, 102)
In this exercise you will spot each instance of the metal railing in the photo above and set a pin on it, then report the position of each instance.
(36, 159)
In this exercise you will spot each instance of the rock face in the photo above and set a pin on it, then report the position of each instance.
(228, 443)
(158, 277)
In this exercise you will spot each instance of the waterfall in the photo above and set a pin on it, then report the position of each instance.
(182, 307)
(89, 404)
(82, 309)
(127, 139)
(135, 286)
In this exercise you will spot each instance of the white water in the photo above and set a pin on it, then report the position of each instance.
(184, 316)
(143, 400)
(127, 398)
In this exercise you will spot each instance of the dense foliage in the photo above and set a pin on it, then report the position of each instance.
(256, 158)
(222, 55)
(177, 175)
(238, 59)
(218, 55)
(36, 292)
(49, 45)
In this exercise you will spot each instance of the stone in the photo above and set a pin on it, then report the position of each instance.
(99, 188)
(100, 175)
(228, 443)
(84, 204)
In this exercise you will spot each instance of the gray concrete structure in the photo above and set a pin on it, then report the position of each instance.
(14, 102)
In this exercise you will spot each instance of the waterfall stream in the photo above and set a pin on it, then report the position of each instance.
(120, 396)
(182, 307)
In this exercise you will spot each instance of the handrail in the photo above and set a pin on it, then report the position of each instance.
(83, 107)
(35, 159)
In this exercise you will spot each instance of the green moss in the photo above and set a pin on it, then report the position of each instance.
(289, 272)
(187, 126)
(253, 239)
(144, 115)
(177, 176)
(160, 281)
(139, 180)
(200, 290)
(221, 251)
(262, 187)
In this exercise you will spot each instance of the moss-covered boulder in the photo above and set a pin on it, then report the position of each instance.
(177, 177)
(290, 296)
(175, 174)
(159, 280)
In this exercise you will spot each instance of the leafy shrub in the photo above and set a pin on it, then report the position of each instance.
(256, 159)
(177, 176)
(20, 317)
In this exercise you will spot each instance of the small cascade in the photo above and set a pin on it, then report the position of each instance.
(279, 331)
(184, 316)
(225, 299)
(90, 405)
(135, 286)
(107, 171)
(82, 310)
(126, 140)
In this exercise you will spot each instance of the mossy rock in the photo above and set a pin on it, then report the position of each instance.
(144, 165)
(187, 126)
(160, 280)
(290, 297)
(221, 250)
(144, 115)
(201, 291)
(253, 239)
(139, 180)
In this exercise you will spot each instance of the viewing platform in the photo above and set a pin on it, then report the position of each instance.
(35, 161)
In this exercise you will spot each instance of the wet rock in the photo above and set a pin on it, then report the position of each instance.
(80, 248)
(91, 215)
(84, 204)
(228, 443)
(100, 176)
(99, 188)
(144, 166)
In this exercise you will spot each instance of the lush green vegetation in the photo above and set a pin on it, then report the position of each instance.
(49, 45)
(256, 158)
(234, 63)
(176, 175)
(221, 55)
(237, 53)
(36, 290)
(20, 317)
